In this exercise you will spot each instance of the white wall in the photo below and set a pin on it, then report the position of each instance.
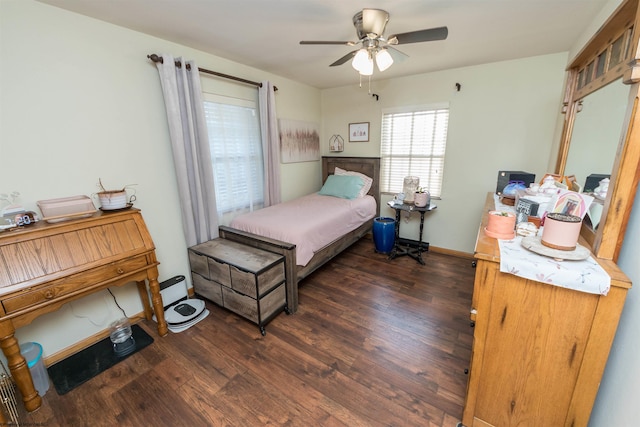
(503, 118)
(79, 101)
(617, 401)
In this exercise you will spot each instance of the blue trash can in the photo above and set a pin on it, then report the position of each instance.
(384, 234)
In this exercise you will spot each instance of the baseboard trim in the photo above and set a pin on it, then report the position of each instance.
(444, 251)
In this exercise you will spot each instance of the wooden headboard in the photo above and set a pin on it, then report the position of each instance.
(369, 166)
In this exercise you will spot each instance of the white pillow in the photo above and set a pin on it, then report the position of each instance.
(367, 181)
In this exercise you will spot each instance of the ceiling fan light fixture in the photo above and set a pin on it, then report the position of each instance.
(361, 60)
(367, 70)
(383, 59)
(370, 25)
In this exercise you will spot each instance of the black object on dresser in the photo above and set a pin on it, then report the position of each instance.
(593, 181)
(504, 177)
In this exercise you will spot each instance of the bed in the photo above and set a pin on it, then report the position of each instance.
(369, 166)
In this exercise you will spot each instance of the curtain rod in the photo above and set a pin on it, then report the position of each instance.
(156, 58)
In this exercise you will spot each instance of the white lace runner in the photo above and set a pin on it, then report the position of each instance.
(584, 276)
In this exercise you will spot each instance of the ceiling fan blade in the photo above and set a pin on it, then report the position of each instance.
(397, 55)
(344, 59)
(319, 42)
(432, 34)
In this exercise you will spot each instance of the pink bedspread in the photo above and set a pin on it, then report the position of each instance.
(310, 222)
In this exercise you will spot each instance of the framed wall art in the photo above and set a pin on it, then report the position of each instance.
(299, 141)
(359, 132)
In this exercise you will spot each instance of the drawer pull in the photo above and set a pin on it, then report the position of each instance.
(120, 271)
(49, 294)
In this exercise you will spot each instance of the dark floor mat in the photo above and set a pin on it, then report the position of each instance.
(81, 367)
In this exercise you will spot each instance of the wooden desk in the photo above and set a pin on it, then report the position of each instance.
(44, 266)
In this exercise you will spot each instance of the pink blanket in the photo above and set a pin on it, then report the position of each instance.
(310, 222)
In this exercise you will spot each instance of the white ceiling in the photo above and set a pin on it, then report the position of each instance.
(265, 34)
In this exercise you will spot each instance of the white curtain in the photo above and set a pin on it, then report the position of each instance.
(190, 145)
(270, 143)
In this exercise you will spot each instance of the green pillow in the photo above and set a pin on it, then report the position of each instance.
(343, 186)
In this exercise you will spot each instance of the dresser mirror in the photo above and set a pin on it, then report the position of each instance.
(596, 132)
(599, 136)
(595, 139)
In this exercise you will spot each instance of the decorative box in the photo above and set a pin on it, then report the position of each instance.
(56, 210)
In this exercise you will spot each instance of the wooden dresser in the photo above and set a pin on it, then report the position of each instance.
(47, 265)
(539, 350)
(246, 280)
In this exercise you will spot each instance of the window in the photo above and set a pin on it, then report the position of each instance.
(236, 152)
(413, 143)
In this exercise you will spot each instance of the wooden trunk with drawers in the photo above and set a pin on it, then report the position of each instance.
(240, 278)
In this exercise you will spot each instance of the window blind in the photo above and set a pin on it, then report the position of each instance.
(236, 152)
(413, 143)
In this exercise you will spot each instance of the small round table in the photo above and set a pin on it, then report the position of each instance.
(408, 247)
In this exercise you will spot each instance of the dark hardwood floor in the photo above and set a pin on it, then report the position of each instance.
(374, 343)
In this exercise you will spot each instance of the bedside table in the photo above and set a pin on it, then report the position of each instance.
(412, 248)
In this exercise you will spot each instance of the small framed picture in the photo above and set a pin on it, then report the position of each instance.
(572, 203)
(572, 183)
(359, 132)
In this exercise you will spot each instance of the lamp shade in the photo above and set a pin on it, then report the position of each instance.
(367, 69)
(360, 60)
(383, 59)
(363, 63)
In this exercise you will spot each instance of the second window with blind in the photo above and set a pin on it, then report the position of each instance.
(414, 141)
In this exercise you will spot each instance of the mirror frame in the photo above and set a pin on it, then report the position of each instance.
(589, 71)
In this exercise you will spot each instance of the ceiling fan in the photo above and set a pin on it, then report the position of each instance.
(370, 25)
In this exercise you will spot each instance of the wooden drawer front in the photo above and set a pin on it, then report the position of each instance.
(199, 264)
(273, 301)
(70, 284)
(219, 271)
(254, 310)
(254, 285)
(207, 288)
